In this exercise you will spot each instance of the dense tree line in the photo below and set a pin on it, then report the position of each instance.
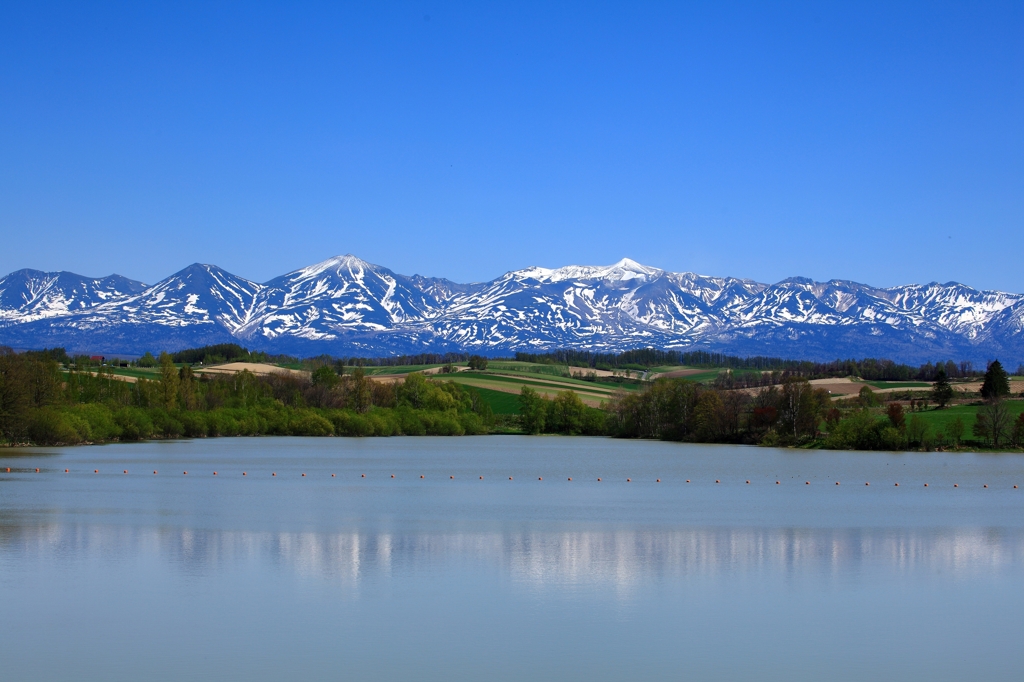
(796, 413)
(565, 414)
(870, 369)
(221, 352)
(688, 411)
(398, 360)
(41, 403)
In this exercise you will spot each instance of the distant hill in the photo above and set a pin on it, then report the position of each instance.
(346, 306)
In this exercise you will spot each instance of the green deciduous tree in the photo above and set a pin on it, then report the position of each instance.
(566, 414)
(532, 410)
(187, 388)
(895, 413)
(359, 395)
(168, 382)
(866, 397)
(993, 422)
(955, 430)
(325, 377)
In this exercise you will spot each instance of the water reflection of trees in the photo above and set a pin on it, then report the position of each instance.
(587, 557)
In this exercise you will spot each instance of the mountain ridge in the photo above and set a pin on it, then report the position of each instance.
(347, 306)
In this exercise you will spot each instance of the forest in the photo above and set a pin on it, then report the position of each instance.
(47, 398)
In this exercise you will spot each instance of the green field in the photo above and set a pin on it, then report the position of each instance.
(501, 403)
(937, 419)
(702, 377)
(401, 369)
(528, 368)
(496, 382)
(136, 372)
(570, 382)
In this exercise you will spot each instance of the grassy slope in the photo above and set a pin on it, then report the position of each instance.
(937, 419)
(704, 376)
(528, 367)
(516, 382)
(501, 403)
(569, 382)
(137, 372)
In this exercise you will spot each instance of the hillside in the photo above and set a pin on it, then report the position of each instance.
(346, 306)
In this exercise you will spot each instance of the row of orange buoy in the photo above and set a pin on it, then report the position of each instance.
(539, 478)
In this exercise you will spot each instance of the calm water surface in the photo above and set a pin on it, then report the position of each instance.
(113, 576)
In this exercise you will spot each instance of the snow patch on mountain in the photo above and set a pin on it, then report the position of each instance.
(347, 305)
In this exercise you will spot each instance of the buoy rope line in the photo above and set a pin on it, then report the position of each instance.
(452, 477)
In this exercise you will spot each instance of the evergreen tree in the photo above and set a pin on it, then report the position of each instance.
(997, 383)
(942, 391)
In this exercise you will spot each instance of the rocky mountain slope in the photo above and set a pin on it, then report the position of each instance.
(346, 306)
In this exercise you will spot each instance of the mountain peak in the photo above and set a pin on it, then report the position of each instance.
(625, 269)
(334, 264)
(344, 305)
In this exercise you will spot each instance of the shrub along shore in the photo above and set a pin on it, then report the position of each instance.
(44, 400)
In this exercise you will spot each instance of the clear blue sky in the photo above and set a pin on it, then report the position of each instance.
(881, 143)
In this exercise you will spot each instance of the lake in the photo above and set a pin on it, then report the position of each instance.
(361, 576)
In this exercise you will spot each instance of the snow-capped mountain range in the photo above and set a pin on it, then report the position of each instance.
(345, 306)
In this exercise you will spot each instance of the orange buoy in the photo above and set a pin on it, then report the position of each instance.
(687, 480)
(955, 485)
(629, 480)
(126, 471)
(392, 475)
(95, 471)
(421, 475)
(451, 477)
(897, 485)
(984, 486)
(332, 475)
(867, 484)
(658, 481)
(570, 478)
(37, 470)
(481, 478)
(599, 480)
(925, 485)
(8, 469)
(243, 473)
(154, 472)
(214, 473)
(748, 482)
(303, 474)
(837, 482)
(362, 475)
(274, 474)
(776, 482)
(540, 478)
(184, 473)
(509, 478)
(1014, 487)
(717, 481)
(65, 471)
(807, 482)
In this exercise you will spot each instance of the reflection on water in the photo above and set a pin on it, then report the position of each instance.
(468, 575)
(619, 558)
